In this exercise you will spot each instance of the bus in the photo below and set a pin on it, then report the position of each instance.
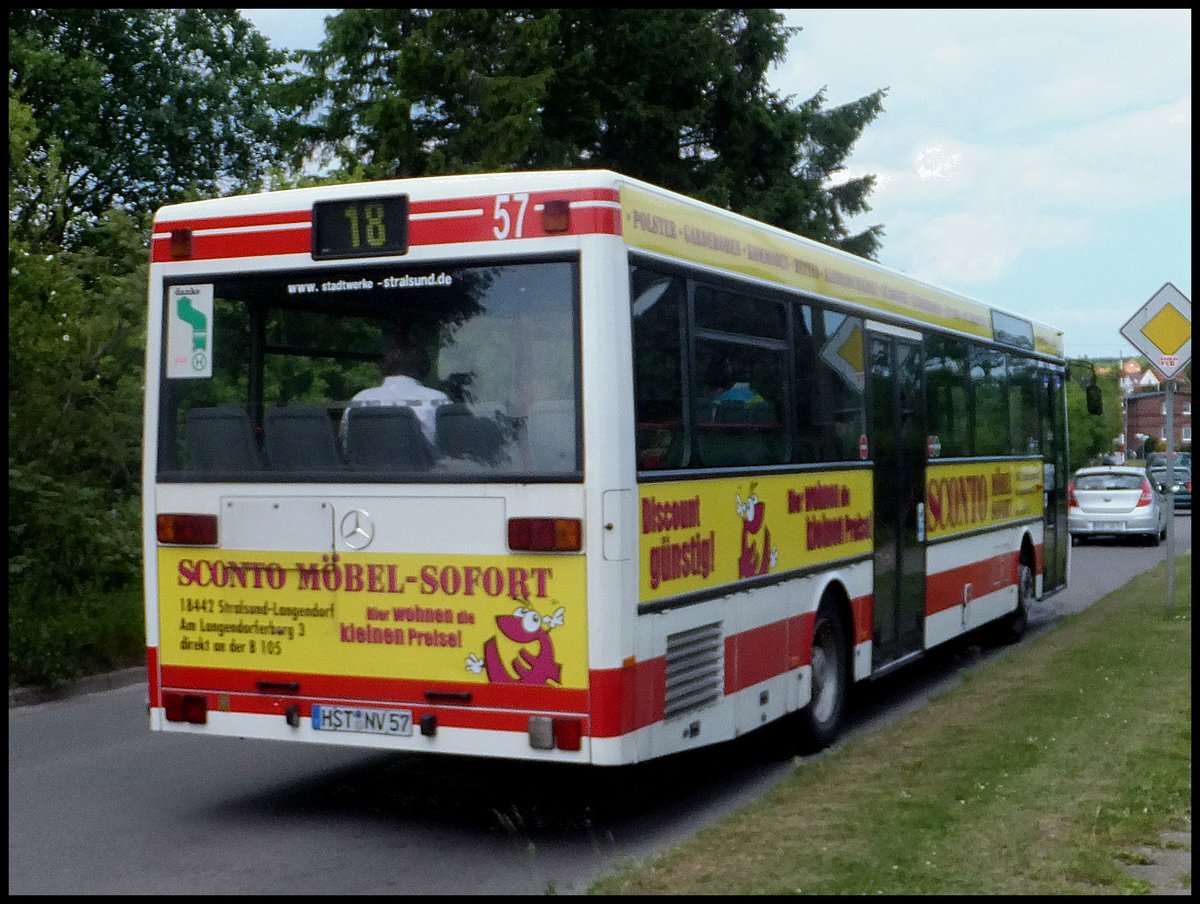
(665, 474)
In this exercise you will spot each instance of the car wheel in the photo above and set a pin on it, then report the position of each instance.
(821, 720)
(1156, 539)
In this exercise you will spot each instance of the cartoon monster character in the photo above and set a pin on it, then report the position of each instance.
(531, 631)
(753, 513)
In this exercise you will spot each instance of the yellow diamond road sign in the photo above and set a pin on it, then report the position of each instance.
(1162, 330)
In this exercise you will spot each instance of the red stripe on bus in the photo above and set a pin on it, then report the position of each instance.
(427, 226)
(944, 590)
(155, 690)
(758, 654)
(241, 244)
(377, 690)
(628, 698)
(863, 609)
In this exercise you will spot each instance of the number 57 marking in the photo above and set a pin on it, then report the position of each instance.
(504, 224)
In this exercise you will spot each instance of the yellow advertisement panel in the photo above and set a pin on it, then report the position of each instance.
(658, 223)
(967, 496)
(702, 534)
(485, 619)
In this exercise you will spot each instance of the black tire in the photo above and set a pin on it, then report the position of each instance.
(1014, 625)
(1155, 539)
(821, 720)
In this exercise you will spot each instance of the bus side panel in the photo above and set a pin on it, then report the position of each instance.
(973, 580)
(709, 671)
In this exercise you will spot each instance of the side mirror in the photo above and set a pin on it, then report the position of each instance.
(1095, 404)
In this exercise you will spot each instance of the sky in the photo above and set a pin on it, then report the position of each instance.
(1039, 161)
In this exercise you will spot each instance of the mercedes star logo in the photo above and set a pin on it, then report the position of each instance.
(358, 530)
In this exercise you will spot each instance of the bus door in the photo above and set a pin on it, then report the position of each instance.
(1054, 466)
(897, 446)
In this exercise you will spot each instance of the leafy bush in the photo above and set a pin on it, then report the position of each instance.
(56, 637)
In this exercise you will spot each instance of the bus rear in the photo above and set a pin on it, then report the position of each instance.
(329, 562)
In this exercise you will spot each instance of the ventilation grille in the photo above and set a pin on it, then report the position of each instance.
(694, 663)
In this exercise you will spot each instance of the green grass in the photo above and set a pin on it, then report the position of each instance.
(1037, 775)
(55, 639)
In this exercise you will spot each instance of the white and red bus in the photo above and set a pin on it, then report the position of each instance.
(673, 474)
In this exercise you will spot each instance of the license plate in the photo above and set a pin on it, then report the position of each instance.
(368, 721)
(1109, 525)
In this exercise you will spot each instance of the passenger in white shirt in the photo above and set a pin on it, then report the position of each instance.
(404, 367)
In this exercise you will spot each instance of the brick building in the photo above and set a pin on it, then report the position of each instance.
(1146, 415)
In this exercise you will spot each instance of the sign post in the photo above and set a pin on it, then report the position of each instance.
(1162, 331)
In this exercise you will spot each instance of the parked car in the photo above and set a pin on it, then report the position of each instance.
(1115, 501)
(1182, 486)
(1159, 460)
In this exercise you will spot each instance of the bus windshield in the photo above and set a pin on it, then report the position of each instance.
(379, 373)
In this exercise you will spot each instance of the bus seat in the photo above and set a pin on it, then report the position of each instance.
(551, 432)
(386, 437)
(302, 438)
(461, 434)
(221, 439)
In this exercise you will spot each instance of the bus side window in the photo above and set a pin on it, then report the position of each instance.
(657, 371)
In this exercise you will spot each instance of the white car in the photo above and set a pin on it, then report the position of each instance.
(1115, 501)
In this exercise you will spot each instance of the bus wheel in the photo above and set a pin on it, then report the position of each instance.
(1014, 625)
(821, 720)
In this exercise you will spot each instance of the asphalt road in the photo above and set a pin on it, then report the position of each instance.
(100, 805)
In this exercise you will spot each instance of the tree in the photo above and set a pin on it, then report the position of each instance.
(134, 108)
(111, 113)
(1089, 435)
(677, 97)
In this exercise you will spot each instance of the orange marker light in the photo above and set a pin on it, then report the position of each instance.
(545, 534)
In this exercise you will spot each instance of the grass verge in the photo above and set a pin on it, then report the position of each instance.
(1037, 775)
(56, 639)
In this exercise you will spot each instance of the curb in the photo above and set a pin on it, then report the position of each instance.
(27, 696)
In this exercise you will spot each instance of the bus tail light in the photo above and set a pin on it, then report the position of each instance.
(1147, 494)
(568, 733)
(187, 530)
(1072, 502)
(186, 707)
(556, 216)
(545, 534)
(562, 732)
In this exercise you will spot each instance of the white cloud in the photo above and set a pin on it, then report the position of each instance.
(978, 246)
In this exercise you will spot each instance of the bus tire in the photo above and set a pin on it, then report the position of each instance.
(1015, 624)
(821, 720)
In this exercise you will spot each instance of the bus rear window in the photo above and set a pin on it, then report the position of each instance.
(381, 373)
